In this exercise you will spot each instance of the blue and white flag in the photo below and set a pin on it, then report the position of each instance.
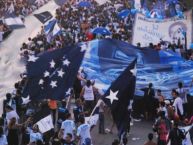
(106, 59)
(52, 28)
(44, 16)
(14, 22)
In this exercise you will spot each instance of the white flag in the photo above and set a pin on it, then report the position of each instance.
(92, 120)
(45, 124)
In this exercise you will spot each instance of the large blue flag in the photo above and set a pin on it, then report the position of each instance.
(51, 75)
(106, 59)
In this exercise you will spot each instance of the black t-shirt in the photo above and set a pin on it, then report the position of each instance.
(176, 136)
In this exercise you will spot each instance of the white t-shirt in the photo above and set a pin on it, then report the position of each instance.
(182, 94)
(83, 132)
(69, 127)
(10, 115)
(3, 140)
(35, 136)
(88, 93)
(178, 104)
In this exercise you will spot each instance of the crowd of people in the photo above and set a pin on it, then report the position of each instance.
(16, 8)
(19, 7)
(18, 123)
(77, 23)
(168, 114)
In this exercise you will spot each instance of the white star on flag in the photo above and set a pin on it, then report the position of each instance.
(112, 96)
(53, 84)
(25, 100)
(46, 74)
(52, 64)
(41, 82)
(68, 92)
(134, 70)
(66, 62)
(32, 58)
(83, 48)
(61, 73)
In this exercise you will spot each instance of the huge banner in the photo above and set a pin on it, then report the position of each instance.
(106, 59)
(148, 30)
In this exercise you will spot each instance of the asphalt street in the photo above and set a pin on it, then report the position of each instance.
(137, 136)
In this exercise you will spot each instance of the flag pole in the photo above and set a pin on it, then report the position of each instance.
(67, 103)
(97, 105)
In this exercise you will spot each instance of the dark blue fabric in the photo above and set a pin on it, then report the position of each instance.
(125, 85)
(44, 16)
(36, 70)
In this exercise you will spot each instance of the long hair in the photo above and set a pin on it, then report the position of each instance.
(12, 122)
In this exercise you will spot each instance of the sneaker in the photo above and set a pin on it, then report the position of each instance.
(136, 119)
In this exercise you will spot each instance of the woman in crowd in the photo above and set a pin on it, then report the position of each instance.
(13, 131)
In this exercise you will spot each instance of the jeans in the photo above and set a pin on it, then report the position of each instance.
(54, 115)
(101, 122)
